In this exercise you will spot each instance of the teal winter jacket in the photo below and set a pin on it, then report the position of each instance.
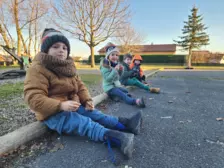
(110, 76)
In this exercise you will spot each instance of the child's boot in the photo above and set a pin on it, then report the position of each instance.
(140, 102)
(155, 90)
(132, 124)
(125, 141)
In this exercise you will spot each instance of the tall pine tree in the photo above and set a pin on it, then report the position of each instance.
(194, 35)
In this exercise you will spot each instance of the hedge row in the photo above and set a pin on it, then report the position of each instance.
(207, 64)
(175, 59)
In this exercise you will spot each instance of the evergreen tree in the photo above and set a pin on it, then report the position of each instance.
(194, 35)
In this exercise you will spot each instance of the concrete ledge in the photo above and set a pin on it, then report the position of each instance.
(99, 98)
(13, 140)
(152, 73)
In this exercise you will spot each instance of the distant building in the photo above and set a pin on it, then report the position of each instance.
(222, 60)
(77, 58)
(205, 56)
(6, 60)
(152, 49)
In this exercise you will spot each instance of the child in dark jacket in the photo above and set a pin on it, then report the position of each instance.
(60, 99)
(129, 76)
(111, 71)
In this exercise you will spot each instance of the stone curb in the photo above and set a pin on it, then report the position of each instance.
(13, 140)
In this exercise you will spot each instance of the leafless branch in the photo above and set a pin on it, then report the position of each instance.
(33, 19)
(129, 39)
(91, 21)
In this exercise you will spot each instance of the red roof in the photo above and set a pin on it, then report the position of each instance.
(152, 48)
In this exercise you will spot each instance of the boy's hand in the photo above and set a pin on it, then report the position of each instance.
(89, 106)
(69, 106)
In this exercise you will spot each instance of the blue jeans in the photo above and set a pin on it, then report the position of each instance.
(122, 93)
(82, 122)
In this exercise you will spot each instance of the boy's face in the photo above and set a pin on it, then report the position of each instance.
(127, 61)
(114, 57)
(58, 50)
(137, 62)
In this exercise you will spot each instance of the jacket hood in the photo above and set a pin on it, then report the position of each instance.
(137, 57)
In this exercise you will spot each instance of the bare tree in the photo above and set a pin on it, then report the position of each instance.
(26, 17)
(4, 36)
(37, 10)
(91, 21)
(42, 7)
(4, 24)
(24, 13)
(30, 34)
(129, 40)
(15, 11)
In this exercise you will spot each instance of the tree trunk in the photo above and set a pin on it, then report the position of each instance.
(92, 57)
(4, 36)
(38, 46)
(35, 38)
(15, 12)
(18, 46)
(189, 57)
(30, 40)
(92, 36)
(23, 41)
(10, 36)
(35, 30)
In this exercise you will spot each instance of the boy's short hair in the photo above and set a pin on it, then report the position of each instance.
(127, 56)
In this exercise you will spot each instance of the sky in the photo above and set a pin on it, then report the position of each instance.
(162, 20)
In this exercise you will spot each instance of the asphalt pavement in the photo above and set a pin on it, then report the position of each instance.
(180, 129)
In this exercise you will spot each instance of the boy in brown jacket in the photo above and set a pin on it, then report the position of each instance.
(59, 98)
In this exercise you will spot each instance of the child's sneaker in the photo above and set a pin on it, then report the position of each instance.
(155, 90)
(140, 102)
(132, 124)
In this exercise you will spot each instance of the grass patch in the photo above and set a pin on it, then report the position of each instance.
(21, 106)
(87, 67)
(11, 89)
(9, 67)
(210, 67)
(3, 105)
(14, 89)
(3, 118)
(90, 79)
